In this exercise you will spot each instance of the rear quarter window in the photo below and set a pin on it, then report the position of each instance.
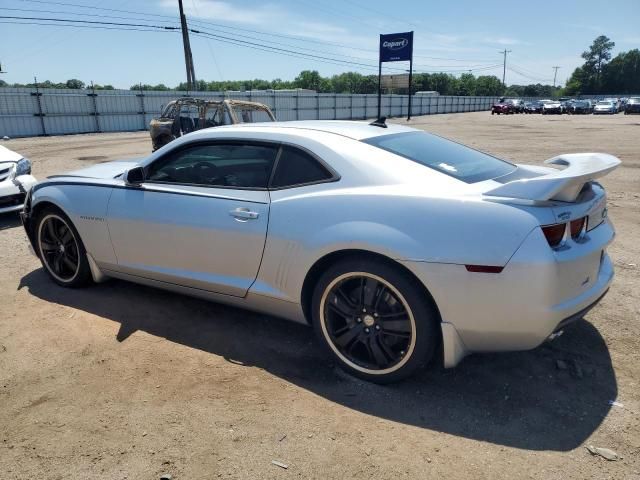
(442, 155)
(296, 167)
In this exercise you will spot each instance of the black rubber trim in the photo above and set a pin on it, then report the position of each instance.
(577, 316)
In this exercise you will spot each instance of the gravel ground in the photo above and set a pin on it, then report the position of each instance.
(121, 381)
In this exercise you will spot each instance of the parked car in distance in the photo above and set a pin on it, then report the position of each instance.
(605, 107)
(534, 106)
(567, 104)
(616, 101)
(580, 107)
(518, 105)
(632, 106)
(392, 242)
(188, 114)
(502, 106)
(15, 180)
(552, 107)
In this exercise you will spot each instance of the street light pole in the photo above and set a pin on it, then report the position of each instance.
(555, 73)
(504, 66)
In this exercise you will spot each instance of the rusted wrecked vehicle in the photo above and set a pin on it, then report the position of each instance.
(187, 114)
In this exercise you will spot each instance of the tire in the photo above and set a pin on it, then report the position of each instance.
(61, 250)
(492, 112)
(373, 320)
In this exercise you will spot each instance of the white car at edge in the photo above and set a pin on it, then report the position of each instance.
(390, 241)
(15, 180)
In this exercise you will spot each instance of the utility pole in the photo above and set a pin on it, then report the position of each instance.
(555, 73)
(504, 66)
(188, 59)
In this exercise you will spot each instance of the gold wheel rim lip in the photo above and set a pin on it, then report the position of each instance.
(342, 357)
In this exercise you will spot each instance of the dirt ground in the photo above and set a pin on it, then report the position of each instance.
(119, 381)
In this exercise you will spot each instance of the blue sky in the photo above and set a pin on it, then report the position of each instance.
(449, 36)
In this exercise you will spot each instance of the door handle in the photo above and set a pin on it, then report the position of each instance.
(243, 214)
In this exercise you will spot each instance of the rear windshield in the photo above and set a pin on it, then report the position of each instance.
(443, 155)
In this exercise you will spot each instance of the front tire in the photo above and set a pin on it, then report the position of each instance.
(61, 250)
(374, 320)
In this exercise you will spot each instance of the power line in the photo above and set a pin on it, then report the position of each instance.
(218, 25)
(528, 77)
(89, 21)
(121, 29)
(458, 67)
(530, 73)
(221, 38)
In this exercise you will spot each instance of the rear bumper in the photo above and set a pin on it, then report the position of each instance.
(538, 293)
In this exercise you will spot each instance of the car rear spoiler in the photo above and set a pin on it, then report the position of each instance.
(564, 184)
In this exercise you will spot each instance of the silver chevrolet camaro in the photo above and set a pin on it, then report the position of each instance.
(393, 243)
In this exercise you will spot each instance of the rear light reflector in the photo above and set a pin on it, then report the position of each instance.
(554, 233)
(483, 268)
(576, 227)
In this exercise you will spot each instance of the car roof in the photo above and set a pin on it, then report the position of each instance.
(351, 129)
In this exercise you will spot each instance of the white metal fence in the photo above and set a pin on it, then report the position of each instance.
(25, 112)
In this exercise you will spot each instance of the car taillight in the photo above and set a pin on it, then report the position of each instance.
(554, 233)
(576, 227)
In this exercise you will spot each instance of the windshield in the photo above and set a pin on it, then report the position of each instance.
(443, 155)
(605, 103)
(634, 100)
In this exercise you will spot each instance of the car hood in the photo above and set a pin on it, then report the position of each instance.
(7, 155)
(104, 170)
(553, 105)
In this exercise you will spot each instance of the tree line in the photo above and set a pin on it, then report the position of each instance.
(600, 74)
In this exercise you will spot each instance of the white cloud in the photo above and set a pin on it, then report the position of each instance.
(504, 41)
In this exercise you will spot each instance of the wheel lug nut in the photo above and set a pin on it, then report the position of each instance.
(366, 330)
(377, 327)
(364, 310)
(375, 314)
(359, 320)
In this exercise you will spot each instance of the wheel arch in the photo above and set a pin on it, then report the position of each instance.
(323, 263)
(34, 213)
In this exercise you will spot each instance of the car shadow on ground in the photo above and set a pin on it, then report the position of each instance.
(551, 398)
(9, 220)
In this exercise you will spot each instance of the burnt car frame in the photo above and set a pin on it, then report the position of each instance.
(188, 114)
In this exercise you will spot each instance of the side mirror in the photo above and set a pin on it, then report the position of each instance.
(134, 176)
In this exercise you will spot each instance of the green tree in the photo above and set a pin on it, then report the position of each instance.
(488, 85)
(74, 83)
(308, 79)
(597, 56)
(622, 74)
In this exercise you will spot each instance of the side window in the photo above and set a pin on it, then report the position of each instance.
(216, 165)
(296, 167)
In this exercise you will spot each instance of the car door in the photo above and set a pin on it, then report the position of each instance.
(200, 217)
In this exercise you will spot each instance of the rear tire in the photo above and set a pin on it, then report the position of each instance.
(61, 250)
(374, 320)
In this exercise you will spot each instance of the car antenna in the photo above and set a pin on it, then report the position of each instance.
(380, 122)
